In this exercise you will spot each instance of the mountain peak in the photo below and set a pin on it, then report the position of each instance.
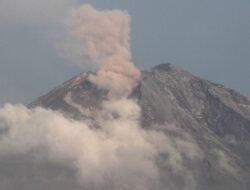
(215, 117)
(166, 67)
(169, 67)
(170, 70)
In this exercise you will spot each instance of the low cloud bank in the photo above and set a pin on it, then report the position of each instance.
(118, 155)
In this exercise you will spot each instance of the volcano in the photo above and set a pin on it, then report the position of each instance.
(215, 118)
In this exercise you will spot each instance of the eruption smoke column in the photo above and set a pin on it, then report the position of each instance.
(103, 38)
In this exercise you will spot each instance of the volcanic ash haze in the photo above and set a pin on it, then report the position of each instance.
(118, 154)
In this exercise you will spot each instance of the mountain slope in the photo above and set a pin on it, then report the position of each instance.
(207, 124)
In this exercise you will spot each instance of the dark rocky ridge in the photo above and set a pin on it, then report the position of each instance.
(217, 118)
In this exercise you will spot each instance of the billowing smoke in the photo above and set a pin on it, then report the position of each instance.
(102, 37)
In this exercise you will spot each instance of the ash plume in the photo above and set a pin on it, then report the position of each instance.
(103, 38)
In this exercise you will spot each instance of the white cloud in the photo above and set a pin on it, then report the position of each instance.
(119, 153)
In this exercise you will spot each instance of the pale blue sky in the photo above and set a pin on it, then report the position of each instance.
(209, 38)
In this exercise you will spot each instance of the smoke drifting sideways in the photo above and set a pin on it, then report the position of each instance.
(119, 154)
(36, 13)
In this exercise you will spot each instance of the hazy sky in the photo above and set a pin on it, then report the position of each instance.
(210, 39)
